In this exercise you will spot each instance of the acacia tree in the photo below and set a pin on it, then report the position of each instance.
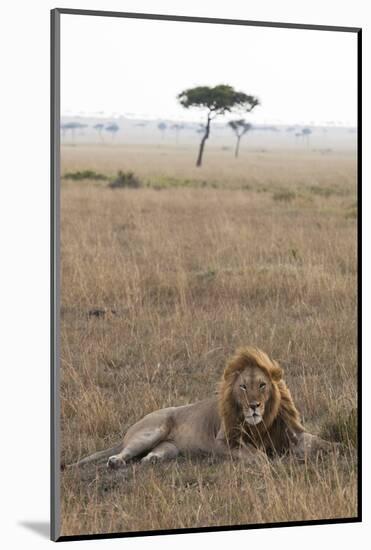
(112, 128)
(306, 132)
(217, 100)
(240, 128)
(99, 128)
(162, 126)
(73, 126)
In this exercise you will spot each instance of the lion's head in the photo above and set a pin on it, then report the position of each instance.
(254, 400)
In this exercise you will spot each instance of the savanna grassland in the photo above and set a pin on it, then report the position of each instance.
(162, 282)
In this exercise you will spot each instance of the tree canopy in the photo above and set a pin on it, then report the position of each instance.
(218, 99)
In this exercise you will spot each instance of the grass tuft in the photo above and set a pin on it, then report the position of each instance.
(284, 195)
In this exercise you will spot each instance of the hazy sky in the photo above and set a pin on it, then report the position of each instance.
(137, 67)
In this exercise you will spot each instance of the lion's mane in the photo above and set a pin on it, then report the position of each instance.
(281, 419)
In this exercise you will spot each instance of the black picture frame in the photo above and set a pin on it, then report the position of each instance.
(55, 265)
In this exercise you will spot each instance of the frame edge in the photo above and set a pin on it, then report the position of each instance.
(54, 279)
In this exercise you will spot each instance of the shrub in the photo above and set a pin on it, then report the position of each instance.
(284, 195)
(85, 175)
(125, 179)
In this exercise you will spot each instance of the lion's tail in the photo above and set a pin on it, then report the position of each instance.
(95, 457)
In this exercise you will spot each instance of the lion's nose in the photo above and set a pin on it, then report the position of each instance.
(254, 405)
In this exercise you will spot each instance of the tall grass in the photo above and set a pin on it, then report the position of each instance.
(185, 276)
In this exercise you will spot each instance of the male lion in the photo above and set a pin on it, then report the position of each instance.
(252, 416)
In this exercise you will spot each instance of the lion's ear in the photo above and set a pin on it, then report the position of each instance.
(276, 372)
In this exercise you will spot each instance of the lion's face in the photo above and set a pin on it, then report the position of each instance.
(252, 389)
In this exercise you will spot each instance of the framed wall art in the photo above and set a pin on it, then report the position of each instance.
(205, 274)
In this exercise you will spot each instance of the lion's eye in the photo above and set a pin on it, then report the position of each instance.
(262, 385)
(243, 387)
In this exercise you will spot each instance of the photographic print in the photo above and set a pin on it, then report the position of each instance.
(205, 192)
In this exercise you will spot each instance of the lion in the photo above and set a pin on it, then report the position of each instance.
(251, 416)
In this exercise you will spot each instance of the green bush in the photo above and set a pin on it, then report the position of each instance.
(125, 179)
(85, 175)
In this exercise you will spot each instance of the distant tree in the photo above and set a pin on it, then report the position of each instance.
(72, 126)
(162, 126)
(306, 132)
(177, 128)
(240, 128)
(99, 128)
(218, 100)
(112, 128)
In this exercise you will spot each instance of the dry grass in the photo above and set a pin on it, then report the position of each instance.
(190, 274)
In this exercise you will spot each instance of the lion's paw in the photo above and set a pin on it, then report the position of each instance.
(115, 462)
(150, 459)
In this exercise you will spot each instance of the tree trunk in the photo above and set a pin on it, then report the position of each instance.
(203, 140)
(237, 146)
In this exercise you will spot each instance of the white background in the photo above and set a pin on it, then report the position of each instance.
(24, 273)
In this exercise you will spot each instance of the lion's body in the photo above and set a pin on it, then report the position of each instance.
(260, 417)
(191, 428)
